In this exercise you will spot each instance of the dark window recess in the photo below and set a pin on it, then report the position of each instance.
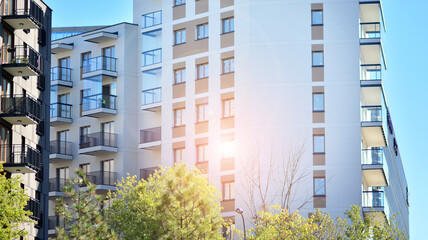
(39, 223)
(42, 37)
(39, 174)
(27, 31)
(41, 128)
(41, 82)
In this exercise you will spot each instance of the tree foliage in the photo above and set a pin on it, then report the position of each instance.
(82, 216)
(278, 223)
(12, 204)
(173, 203)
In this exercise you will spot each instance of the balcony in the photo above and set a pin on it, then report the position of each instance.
(99, 37)
(60, 151)
(33, 205)
(56, 186)
(150, 139)
(374, 167)
(60, 114)
(98, 143)
(21, 60)
(21, 110)
(370, 33)
(22, 14)
(102, 65)
(151, 57)
(53, 222)
(151, 99)
(370, 75)
(105, 181)
(372, 125)
(61, 76)
(99, 105)
(21, 158)
(147, 172)
(61, 47)
(375, 200)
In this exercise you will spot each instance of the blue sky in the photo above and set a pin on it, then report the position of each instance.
(406, 81)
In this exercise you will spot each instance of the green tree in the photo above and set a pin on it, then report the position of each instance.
(12, 204)
(82, 216)
(173, 203)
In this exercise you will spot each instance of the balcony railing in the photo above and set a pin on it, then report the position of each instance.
(99, 101)
(373, 199)
(371, 114)
(21, 105)
(371, 72)
(151, 19)
(22, 54)
(99, 63)
(56, 184)
(55, 221)
(62, 110)
(150, 96)
(102, 178)
(61, 74)
(98, 139)
(21, 154)
(370, 30)
(150, 135)
(33, 205)
(152, 57)
(61, 147)
(372, 156)
(23, 8)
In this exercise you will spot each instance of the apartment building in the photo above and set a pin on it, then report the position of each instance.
(24, 116)
(233, 87)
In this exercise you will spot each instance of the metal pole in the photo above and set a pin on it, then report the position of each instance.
(243, 220)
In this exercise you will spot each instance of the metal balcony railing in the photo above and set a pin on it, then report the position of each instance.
(372, 156)
(370, 30)
(33, 205)
(102, 178)
(371, 113)
(61, 74)
(373, 199)
(150, 96)
(98, 139)
(57, 184)
(152, 57)
(99, 63)
(62, 110)
(151, 19)
(150, 135)
(21, 105)
(61, 147)
(55, 221)
(22, 8)
(21, 154)
(97, 101)
(22, 54)
(370, 72)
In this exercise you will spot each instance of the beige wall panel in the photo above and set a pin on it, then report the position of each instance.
(228, 95)
(318, 117)
(179, 12)
(227, 80)
(227, 164)
(319, 131)
(317, 32)
(319, 159)
(201, 6)
(202, 166)
(199, 141)
(179, 65)
(201, 85)
(228, 206)
(179, 131)
(178, 105)
(227, 54)
(227, 14)
(190, 48)
(181, 144)
(318, 74)
(179, 90)
(316, 6)
(317, 47)
(227, 40)
(201, 60)
(318, 89)
(227, 123)
(319, 173)
(201, 100)
(320, 202)
(227, 178)
(201, 127)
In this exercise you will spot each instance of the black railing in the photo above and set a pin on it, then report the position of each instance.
(55, 221)
(102, 178)
(40, 130)
(370, 30)
(98, 139)
(99, 63)
(56, 184)
(99, 101)
(150, 135)
(33, 205)
(21, 105)
(22, 54)
(373, 199)
(61, 73)
(62, 110)
(23, 8)
(21, 154)
(147, 172)
(61, 147)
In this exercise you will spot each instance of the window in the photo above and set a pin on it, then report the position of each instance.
(202, 112)
(229, 65)
(317, 59)
(202, 70)
(201, 153)
(108, 175)
(84, 135)
(152, 47)
(317, 18)
(151, 19)
(319, 144)
(319, 186)
(86, 168)
(179, 155)
(228, 25)
(180, 76)
(228, 149)
(228, 190)
(179, 117)
(202, 31)
(180, 36)
(108, 135)
(109, 61)
(318, 102)
(85, 61)
(228, 108)
(62, 173)
(179, 2)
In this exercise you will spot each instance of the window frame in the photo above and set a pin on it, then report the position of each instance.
(324, 189)
(322, 17)
(182, 37)
(179, 114)
(205, 29)
(323, 150)
(199, 148)
(313, 102)
(231, 108)
(204, 114)
(230, 62)
(151, 15)
(322, 59)
(231, 190)
(230, 24)
(181, 2)
(182, 152)
(205, 68)
(182, 75)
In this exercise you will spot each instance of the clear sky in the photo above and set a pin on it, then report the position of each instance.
(406, 81)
